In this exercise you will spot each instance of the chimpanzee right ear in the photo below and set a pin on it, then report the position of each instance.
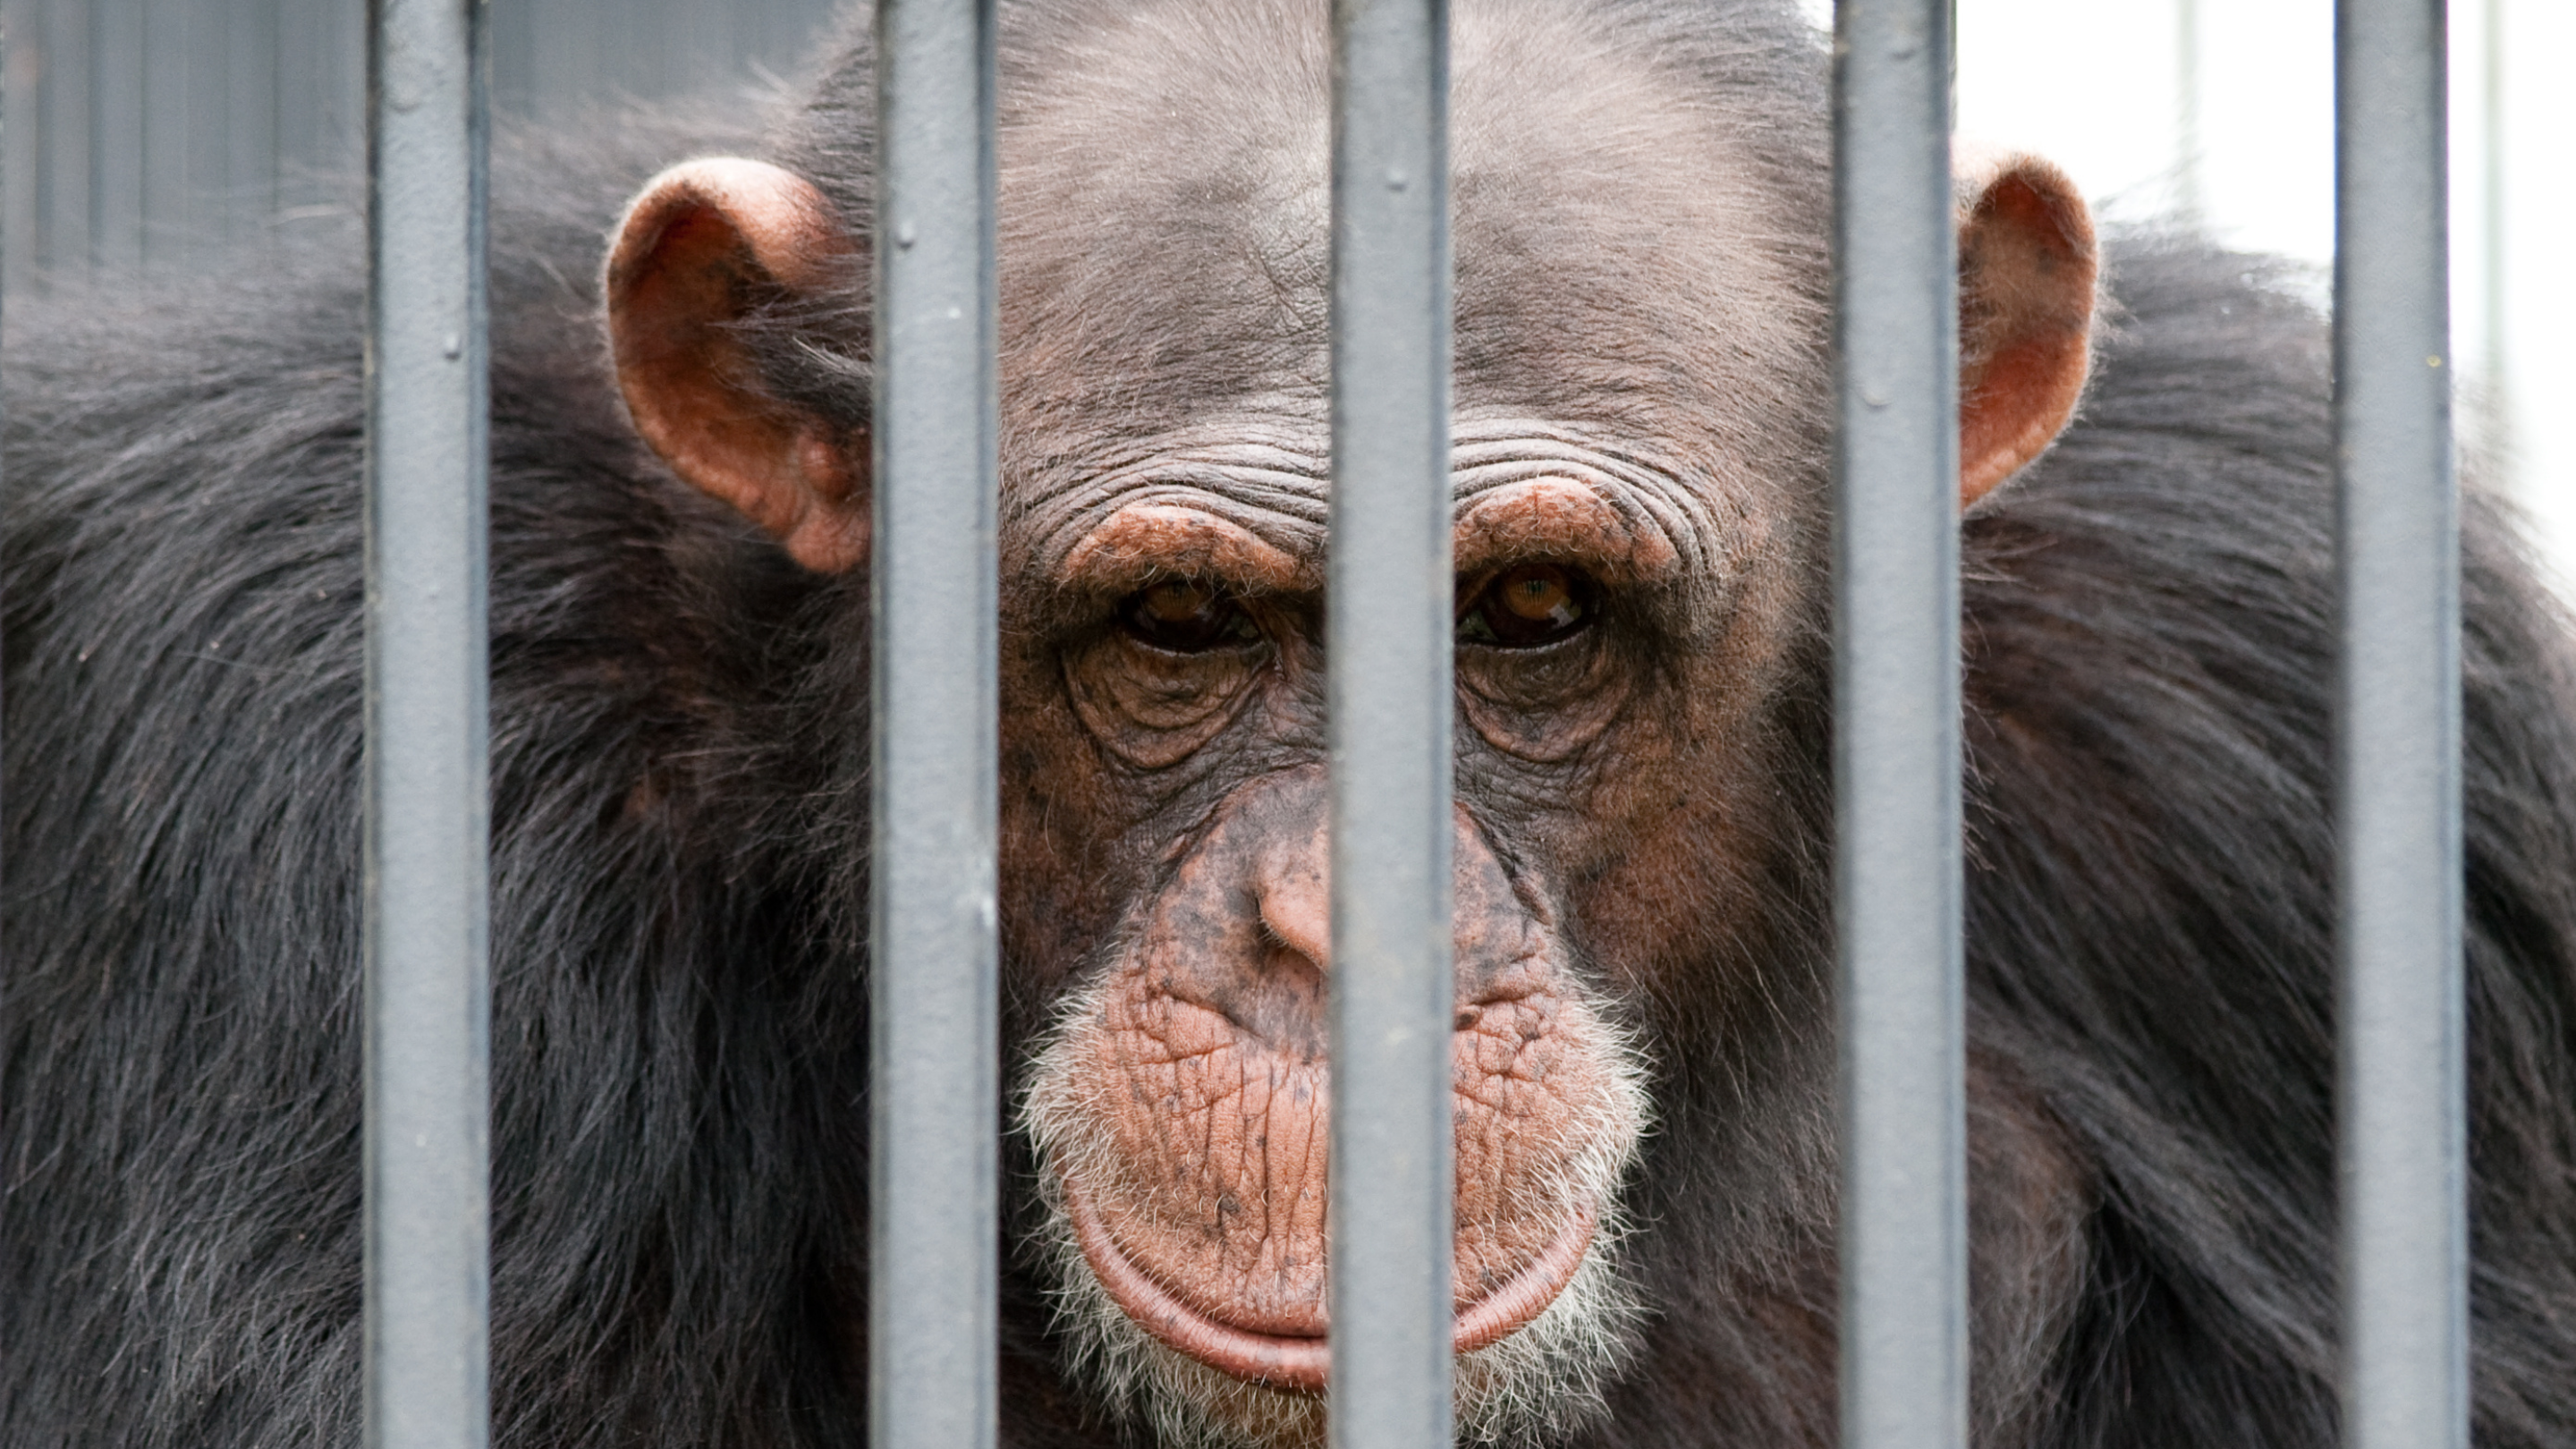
(2027, 269)
(705, 243)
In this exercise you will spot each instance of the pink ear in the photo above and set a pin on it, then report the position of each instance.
(2027, 269)
(701, 237)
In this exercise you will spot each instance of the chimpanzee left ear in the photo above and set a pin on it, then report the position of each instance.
(707, 242)
(2026, 275)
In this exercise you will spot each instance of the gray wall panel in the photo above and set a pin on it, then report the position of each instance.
(157, 132)
(118, 56)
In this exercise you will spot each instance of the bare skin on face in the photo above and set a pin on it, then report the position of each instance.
(1197, 1183)
(1181, 1105)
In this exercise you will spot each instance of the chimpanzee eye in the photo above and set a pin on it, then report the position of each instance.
(1187, 617)
(1528, 606)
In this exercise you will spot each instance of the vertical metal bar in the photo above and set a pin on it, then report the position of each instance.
(1390, 632)
(936, 1101)
(1896, 737)
(2402, 1126)
(428, 997)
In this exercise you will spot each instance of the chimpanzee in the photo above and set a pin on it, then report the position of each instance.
(1644, 1051)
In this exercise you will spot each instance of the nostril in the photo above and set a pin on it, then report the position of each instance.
(1298, 920)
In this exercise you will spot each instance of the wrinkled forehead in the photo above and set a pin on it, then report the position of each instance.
(1165, 210)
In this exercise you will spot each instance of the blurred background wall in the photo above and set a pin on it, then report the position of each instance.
(141, 131)
(2223, 111)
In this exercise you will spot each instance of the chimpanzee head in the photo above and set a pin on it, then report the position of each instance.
(1639, 481)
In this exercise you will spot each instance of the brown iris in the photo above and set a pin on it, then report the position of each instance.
(1527, 606)
(1186, 616)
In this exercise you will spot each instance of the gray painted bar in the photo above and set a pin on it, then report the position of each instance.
(1896, 740)
(427, 993)
(2399, 920)
(1390, 631)
(936, 1101)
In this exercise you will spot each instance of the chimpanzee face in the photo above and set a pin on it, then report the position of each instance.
(1637, 493)
(1624, 578)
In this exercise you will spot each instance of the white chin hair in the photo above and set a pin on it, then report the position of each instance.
(1534, 1387)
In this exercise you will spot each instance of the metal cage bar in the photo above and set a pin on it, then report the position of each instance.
(1390, 632)
(935, 1106)
(2402, 1127)
(428, 995)
(1896, 732)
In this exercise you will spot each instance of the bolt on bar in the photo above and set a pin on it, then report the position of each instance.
(2402, 1129)
(936, 1098)
(426, 810)
(1390, 632)
(1896, 736)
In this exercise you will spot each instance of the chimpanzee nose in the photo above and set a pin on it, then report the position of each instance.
(1297, 917)
(1245, 926)
(1291, 892)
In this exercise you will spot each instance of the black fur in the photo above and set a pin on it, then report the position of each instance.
(679, 1029)
(2149, 616)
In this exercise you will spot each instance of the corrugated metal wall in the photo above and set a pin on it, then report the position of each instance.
(139, 131)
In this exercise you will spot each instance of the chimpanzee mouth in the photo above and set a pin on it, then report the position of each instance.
(1302, 1359)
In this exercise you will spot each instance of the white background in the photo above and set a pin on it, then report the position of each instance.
(2098, 87)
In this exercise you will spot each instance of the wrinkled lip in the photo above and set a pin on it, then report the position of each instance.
(1302, 1361)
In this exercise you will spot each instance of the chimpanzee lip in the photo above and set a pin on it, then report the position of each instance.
(1302, 1361)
